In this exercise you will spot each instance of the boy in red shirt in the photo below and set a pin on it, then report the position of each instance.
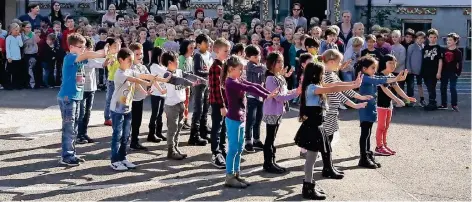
(70, 28)
(450, 71)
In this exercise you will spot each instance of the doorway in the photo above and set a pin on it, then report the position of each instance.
(2, 12)
(313, 8)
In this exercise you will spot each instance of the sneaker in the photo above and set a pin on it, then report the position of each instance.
(89, 140)
(443, 107)
(455, 108)
(72, 162)
(390, 150)
(80, 159)
(381, 151)
(128, 164)
(249, 148)
(81, 141)
(107, 123)
(423, 103)
(119, 166)
(258, 145)
(138, 147)
(218, 161)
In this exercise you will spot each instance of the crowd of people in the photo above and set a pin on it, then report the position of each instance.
(244, 73)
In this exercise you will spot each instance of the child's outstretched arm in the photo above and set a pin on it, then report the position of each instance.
(194, 78)
(151, 77)
(389, 93)
(179, 81)
(138, 81)
(402, 94)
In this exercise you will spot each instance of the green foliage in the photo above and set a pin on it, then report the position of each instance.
(383, 16)
(246, 11)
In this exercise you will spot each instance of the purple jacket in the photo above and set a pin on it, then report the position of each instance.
(275, 106)
(235, 89)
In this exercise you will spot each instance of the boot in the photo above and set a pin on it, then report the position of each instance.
(159, 132)
(171, 154)
(231, 181)
(276, 165)
(269, 165)
(176, 148)
(365, 162)
(309, 192)
(328, 170)
(370, 155)
(195, 137)
(185, 125)
(238, 177)
(205, 132)
(153, 138)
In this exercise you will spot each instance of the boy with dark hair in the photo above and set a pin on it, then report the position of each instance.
(371, 50)
(48, 58)
(450, 71)
(409, 38)
(201, 63)
(174, 102)
(275, 45)
(256, 74)
(431, 67)
(70, 28)
(218, 103)
(381, 45)
(414, 58)
(120, 21)
(103, 34)
(71, 93)
(330, 42)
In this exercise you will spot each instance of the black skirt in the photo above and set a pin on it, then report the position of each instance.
(311, 135)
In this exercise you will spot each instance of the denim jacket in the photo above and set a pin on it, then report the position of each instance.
(369, 87)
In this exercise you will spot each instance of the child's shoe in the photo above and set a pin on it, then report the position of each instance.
(128, 164)
(381, 151)
(366, 162)
(455, 108)
(118, 166)
(171, 154)
(239, 178)
(309, 192)
(107, 123)
(232, 181)
(370, 155)
(249, 148)
(71, 162)
(258, 145)
(390, 150)
(442, 107)
(81, 141)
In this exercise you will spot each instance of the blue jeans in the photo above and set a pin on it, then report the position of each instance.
(110, 89)
(235, 132)
(84, 115)
(347, 76)
(69, 112)
(253, 119)
(121, 124)
(450, 78)
(48, 74)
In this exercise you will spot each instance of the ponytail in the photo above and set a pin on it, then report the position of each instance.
(232, 62)
(224, 74)
(362, 63)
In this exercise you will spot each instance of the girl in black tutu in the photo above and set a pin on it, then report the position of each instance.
(311, 134)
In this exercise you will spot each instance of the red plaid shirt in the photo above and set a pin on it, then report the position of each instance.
(217, 93)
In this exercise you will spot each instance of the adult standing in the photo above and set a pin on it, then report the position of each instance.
(297, 16)
(56, 14)
(32, 16)
(143, 14)
(173, 11)
(199, 15)
(346, 27)
(111, 14)
(220, 12)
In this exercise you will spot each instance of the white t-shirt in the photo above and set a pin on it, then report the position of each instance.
(124, 92)
(175, 94)
(139, 69)
(158, 70)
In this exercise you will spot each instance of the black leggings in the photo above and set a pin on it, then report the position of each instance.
(364, 140)
(269, 148)
(136, 119)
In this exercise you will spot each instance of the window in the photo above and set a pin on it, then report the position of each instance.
(417, 25)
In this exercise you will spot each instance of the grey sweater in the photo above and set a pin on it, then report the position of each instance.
(414, 58)
(255, 74)
(400, 53)
(29, 45)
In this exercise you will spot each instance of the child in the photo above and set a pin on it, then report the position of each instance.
(30, 51)
(400, 54)
(310, 135)
(48, 59)
(358, 31)
(161, 39)
(170, 44)
(152, 34)
(408, 39)
(70, 28)
(158, 95)
(235, 87)
(255, 38)
(14, 43)
(121, 106)
(201, 64)
(186, 65)
(2, 61)
(90, 86)
(274, 108)
(431, 67)
(138, 98)
(352, 54)
(112, 65)
(267, 40)
(414, 59)
(371, 50)
(255, 73)
(218, 104)
(330, 42)
(71, 93)
(316, 32)
(367, 67)
(383, 46)
(332, 60)
(450, 71)
(384, 104)
(275, 45)
(174, 102)
(102, 80)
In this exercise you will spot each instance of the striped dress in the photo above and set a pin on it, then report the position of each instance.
(334, 101)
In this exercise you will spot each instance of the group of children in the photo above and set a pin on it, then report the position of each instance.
(277, 66)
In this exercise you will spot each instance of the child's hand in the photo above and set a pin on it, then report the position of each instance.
(438, 76)
(274, 93)
(358, 81)
(223, 111)
(167, 79)
(400, 102)
(197, 82)
(9, 60)
(345, 64)
(299, 91)
(412, 99)
(360, 105)
(288, 74)
(366, 97)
